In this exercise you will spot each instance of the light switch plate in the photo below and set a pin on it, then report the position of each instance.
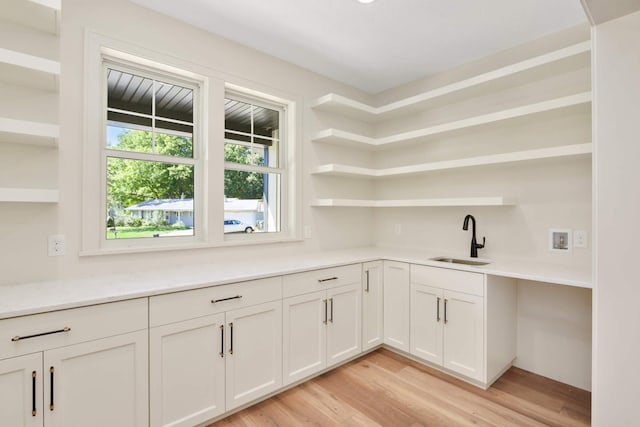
(580, 239)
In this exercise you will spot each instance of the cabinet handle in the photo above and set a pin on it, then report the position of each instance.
(26, 337)
(445, 311)
(213, 301)
(438, 310)
(366, 289)
(231, 338)
(221, 340)
(51, 372)
(331, 301)
(325, 311)
(33, 394)
(326, 280)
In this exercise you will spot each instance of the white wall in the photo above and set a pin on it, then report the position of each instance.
(24, 228)
(616, 348)
(554, 332)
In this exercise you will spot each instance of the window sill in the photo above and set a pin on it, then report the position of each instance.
(190, 246)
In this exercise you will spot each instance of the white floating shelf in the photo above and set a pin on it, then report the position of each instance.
(336, 136)
(28, 195)
(560, 58)
(51, 4)
(24, 60)
(466, 201)
(41, 15)
(518, 156)
(26, 132)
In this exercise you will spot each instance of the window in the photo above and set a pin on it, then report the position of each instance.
(151, 154)
(254, 165)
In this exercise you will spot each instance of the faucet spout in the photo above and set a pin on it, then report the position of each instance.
(474, 244)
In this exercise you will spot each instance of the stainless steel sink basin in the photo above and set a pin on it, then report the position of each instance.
(459, 261)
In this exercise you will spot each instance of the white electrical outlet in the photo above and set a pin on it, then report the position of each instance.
(580, 239)
(307, 231)
(397, 228)
(56, 245)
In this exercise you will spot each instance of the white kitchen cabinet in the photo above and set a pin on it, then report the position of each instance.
(21, 391)
(321, 320)
(90, 363)
(187, 369)
(372, 305)
(214, 349)
(102, 382)
(463, 321)
(254, 352)
(464, 334)
(397, 305)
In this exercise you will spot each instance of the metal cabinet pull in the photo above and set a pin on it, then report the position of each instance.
(213, 301)
(438, 310)
(34, 410)
(26, 337)
(331, 301)
(326, 280)
(366, 289)
(445, 311)
(51, 372)
(231, 338)
(325, 311)
(221, 340)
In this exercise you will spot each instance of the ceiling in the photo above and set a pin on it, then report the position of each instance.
(380, 45)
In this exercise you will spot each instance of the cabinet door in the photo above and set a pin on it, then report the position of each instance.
(187, 372)
(372, 305)
(343, 323)
(426, 323)
(102, 383)
(396, 305)
(304, 335)
(463, 334)
(253, 338)
(21, 391)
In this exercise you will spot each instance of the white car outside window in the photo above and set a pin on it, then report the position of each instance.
(236, 226)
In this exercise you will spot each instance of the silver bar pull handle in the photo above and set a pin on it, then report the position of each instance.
(325, 311)
(366, 289)
(42, 334)
(331, 318)
(221, 340)
(34, 410)
(438, 309)
(327, 280)
(213, 301)
(445, 311)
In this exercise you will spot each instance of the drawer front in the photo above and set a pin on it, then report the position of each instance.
(39, 332)
(317, 280)
(452, 280)
(179, 306)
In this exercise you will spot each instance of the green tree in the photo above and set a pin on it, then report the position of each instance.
(240, 184)
(133, 181)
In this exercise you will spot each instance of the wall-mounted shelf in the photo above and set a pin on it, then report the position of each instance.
(27, 132)
(28, 195)
(549, 63)
(334, 169)
(41, 15)
(465, 201)
(336, 136)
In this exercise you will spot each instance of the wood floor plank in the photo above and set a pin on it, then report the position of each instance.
(386, 389)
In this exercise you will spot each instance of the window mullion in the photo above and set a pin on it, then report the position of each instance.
(153, 116)
(151, 157)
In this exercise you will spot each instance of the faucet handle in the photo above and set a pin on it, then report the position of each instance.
(480, 246)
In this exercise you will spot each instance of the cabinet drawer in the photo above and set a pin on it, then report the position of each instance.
(179, 306)
(317, 280)
(45, 331)
(452, 280)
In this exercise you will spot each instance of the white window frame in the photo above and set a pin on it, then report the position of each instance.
(282, 213)
(209, 184)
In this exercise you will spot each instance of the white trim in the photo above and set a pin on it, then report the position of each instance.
(464, 201)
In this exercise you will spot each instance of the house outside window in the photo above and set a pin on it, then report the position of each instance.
(151, 154)
(254, 141)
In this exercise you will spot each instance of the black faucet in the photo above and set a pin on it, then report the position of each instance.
(474, 245)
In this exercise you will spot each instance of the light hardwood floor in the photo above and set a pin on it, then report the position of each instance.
(386, 389)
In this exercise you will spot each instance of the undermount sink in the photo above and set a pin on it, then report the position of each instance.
(459, 261)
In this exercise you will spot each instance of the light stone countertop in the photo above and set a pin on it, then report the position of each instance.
(31, 298)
